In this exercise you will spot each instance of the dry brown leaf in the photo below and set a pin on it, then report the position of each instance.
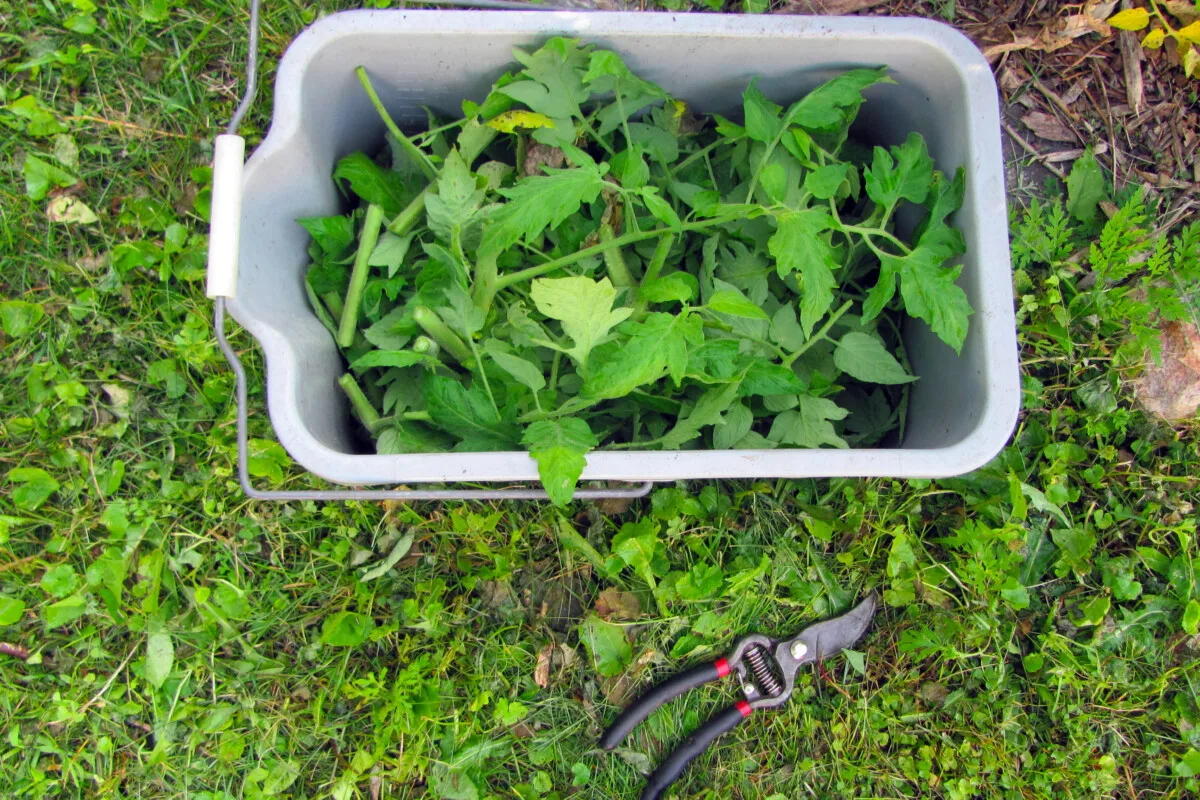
(615, 604)
(1048, 127)
(1059, 34)
(541, 673)
(1171, 389)
(1183, 10)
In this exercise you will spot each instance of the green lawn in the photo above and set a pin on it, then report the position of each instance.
(165, 637)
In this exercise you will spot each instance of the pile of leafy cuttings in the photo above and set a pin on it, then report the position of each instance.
(581, 262)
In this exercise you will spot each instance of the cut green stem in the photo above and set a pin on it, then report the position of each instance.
(407, 144)
(439, 332)
(348, 324)
(359, 404)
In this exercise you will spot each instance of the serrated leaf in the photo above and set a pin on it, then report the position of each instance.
(904, 174)
(559, 446)
(160, 657)
(371, 182)
(332, 234)
(541, 201)
(809, 425)
(707, 411)
(763, 119)
(456, 203)
(931, 294)
(659, 208)
(835, 103)
(824, 182)
(700, 582)
(584, 309)
(389, 252)
(467, 414)
(735, 423)
(864, 357)
(798, 247)
(630, 168)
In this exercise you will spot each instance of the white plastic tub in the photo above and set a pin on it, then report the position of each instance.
(963, 408)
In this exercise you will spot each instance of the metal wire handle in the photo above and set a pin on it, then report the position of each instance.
(239, 371)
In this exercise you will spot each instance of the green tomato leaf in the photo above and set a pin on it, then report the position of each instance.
(735, 423)
(762, 116)
(660, 208)
(835, 103)
(707, 411)
(931, 294)
(677, 287)
(584, 309)
(809, 425)
(387, 358)
(389, 252)
(630, 168)
(541, 201)
(371, 182)
(655, 346)
(559, 447)
(525, 372)
(735, 304)
(824, 182)
(457, 201)
(607, 644)
(797, 246)
(467, 414)
(332, 234)
(346, 629)
(907, 177)
(864, 357)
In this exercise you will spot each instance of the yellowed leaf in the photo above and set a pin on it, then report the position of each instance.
(1154, 39)
(69, 211)
(1191, 63)
(1131, 19)
(511, 120)
(1191, 33)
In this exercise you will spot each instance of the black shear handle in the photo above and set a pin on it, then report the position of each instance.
(669, 770)
(656, 696)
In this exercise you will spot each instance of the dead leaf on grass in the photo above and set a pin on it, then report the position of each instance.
(67, 210)
(1048, 127)
(615, 604)
(1171, 389)
(541, 673)
(620, 689)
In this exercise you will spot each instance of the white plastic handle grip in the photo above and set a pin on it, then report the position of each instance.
(224, 232)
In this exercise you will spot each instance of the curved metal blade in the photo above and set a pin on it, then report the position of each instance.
(834, 635)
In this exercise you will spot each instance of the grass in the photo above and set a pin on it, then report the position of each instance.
(168, 638)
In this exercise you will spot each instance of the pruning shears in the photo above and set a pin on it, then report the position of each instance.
(766, 669)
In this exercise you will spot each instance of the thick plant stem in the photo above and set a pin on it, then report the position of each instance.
(597, 249)
(409, 215)
(413, 151)
(614, 262)
(820, 334)
(358, 277)
(661, 251)
(359, 403)
(426, 346)
(437, 330)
